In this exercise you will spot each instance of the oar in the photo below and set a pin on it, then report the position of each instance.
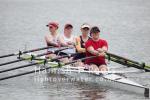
(18, 60)
(127, 62)
(22, 59)
(119, 57)
(33, 71)
(36, 63)
(23, 52)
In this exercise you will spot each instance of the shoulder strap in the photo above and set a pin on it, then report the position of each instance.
(89, 37)
(81, 39)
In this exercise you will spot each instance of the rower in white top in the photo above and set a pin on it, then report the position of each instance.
(67, 39)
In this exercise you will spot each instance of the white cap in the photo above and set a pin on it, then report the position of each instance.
(85, 25)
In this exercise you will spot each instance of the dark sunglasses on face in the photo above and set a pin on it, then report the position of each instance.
(86, 29)
(96, 33)
(51, 27)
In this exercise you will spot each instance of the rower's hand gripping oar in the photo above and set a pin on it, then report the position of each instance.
(18, 60)
(23, 52)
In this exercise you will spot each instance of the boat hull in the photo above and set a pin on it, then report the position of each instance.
(109, 80)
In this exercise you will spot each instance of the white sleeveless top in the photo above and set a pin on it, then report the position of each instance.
(71, 39)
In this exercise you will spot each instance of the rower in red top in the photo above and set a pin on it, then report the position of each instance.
(96, 46)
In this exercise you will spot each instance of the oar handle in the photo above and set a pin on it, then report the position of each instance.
(56, 51)
(82, 59)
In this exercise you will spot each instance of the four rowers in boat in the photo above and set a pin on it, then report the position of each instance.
(84, 45)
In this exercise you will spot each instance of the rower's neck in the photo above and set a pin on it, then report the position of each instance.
(54, 34)
(84, 36)
(67, 36)
(96, 39)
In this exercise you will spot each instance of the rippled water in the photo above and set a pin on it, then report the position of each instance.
(124, 23)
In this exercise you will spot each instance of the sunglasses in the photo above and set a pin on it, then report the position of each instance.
(86, 29)
(51, 27)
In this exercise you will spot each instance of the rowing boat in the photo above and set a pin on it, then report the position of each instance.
(109, 80)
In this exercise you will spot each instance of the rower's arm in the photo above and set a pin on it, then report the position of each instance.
(78, 46)
(103, 49)
(72, 42)
(61, 41)
(50, 42)
(91, 50)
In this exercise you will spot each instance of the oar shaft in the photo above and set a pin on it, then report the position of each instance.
(119, 57)
(127, 62)
(38, 49)
(21, 74)
(33, 50)
(18, 60)
(39, 55)
(8, 55)
(59, 65)
(18, 67)
(28, 65)
(10, 62)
